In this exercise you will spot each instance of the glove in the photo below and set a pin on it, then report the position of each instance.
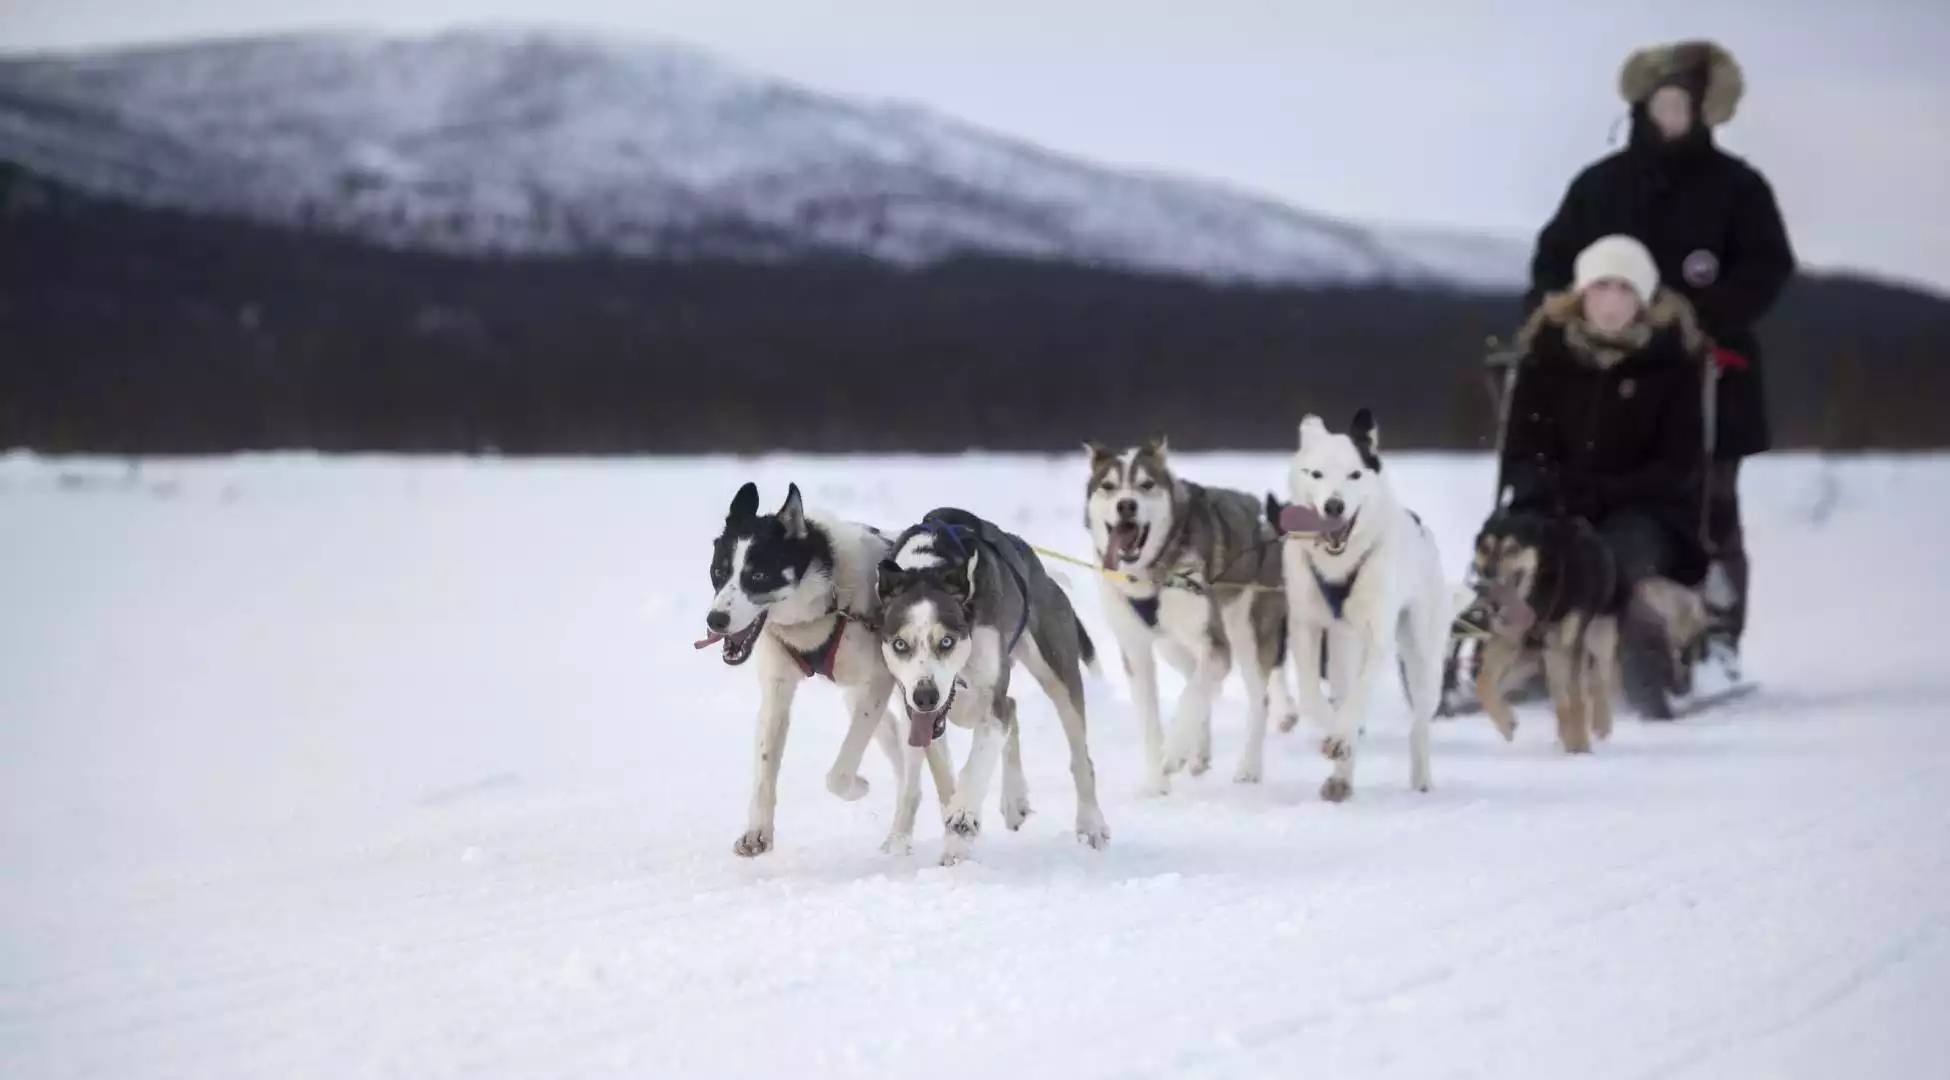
(1728, 360)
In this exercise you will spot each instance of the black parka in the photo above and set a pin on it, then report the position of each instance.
(1597, 430)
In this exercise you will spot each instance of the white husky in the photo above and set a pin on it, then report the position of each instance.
(1369, 577)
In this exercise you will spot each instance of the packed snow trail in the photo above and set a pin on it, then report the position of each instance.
(378, 768)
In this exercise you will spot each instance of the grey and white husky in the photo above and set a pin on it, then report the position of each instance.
(961, 602)
(1195, 575)
(797, 591)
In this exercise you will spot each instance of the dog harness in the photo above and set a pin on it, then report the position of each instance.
(819, 661)
(1336, 592)
(960, 534)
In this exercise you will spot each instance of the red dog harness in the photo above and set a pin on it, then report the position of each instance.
(819, 661)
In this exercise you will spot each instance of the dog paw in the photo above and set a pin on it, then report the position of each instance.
(1336, 748)
(1182, 749)
(1506, 728)
(1200, 764)
(1091, 830)
(1289, 722)
(755, 842)
(850, 788)
(1336, 790)
(897, 844)
(1015, 811)
(963, 823)
(1155, 786)
(1248, 772)
(1577, 746)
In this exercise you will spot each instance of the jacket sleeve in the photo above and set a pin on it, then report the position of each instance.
(1757, 264)
(1558, 244)
(1533, 457)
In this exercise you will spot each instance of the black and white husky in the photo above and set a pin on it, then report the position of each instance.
(1371, 579)
(797, 592)
(1196, 575)
(961, 602)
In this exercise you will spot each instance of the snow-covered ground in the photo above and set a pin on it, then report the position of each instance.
(371, 768)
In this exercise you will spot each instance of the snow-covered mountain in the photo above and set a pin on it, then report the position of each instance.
(544, 142)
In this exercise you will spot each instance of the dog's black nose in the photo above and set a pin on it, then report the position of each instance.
(1334, 508)
(926, 697)
(717, 621)
(1127, 508)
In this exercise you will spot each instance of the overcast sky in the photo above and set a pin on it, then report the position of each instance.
(1471, 113)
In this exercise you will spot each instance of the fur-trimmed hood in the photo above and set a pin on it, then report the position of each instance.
(1563, 312)
(1720, 75)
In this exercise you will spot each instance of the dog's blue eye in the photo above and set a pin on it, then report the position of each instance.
(900, 647)
(947, 642)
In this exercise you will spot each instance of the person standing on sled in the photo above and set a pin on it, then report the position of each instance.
(1607, 424)
(1716, 235)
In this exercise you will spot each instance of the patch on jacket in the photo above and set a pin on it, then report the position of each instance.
(1701, 268)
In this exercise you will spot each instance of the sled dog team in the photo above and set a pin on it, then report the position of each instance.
(941, 615)
(1616, 530)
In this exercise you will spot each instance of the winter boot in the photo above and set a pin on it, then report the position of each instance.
(1663, 627)
(1716, 667)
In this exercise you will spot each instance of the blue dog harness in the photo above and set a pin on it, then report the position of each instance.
(961, 534)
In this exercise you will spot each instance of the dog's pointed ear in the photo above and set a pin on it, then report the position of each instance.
(1367, 438)
(793, 514)
(744, 504)
(957, 579)
(890, 579)
(1364, 428)
(1157, 446)
(1098, 451)
(1311, 427)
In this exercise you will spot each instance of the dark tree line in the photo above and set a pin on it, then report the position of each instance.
(126, 330)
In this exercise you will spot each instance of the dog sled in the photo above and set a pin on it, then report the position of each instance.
(1653, 685)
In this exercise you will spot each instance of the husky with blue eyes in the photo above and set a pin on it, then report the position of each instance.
(961, 601)
(796, 591)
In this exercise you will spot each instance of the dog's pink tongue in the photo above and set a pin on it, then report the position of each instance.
(920, 730)
(1122, 539)
(710, 639)
(1304, 520)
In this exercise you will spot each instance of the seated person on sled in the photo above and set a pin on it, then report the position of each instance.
(1606, 424)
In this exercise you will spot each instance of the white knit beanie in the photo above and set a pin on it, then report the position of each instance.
(1621, 257)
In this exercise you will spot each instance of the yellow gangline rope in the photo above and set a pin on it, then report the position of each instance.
(1460, 625)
